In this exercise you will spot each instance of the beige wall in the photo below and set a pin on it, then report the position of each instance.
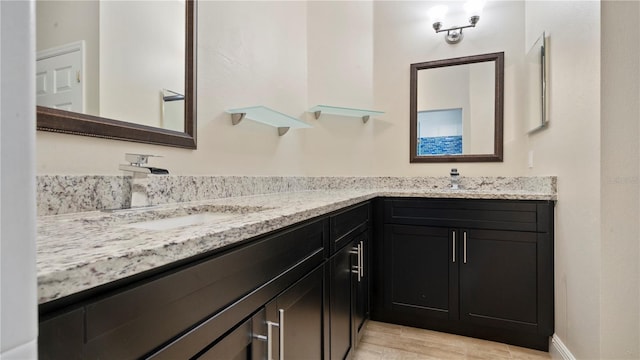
(402, 36)
(482, 104)
(620, 191)
(294, 55)
(340, 73)
(249, 53)
(570, 149)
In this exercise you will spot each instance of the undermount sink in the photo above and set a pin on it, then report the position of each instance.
(180, 221)
(168, 219)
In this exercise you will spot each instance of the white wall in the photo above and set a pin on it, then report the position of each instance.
(18, 308)
(570, 149)
(620, 190)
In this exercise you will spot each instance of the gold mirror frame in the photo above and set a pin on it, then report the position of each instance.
(498, 58)
(68, 122)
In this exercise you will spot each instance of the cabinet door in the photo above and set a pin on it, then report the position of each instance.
(297, 315)
(420, 273)
(498, 279)
(343, 264)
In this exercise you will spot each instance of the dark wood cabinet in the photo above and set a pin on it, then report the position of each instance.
(62, 336)
(481, 268)
(420, 271)
(221, 306)
(343, 264)
(349, 274)
(361, 292)
(498, 279)
(297, 322)
(237, 345)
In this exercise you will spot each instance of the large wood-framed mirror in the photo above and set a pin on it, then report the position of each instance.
(456, 109)
(162, 38)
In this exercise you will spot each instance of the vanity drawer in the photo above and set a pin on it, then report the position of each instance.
(519, 215)
(347, 223)
(141, 318)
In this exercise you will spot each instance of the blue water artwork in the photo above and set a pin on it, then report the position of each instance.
(440, 145)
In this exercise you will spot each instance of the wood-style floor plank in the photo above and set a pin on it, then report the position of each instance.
(382, 341)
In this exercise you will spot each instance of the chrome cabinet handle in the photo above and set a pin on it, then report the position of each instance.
(454, 245)
(361, 260)
(464, 245)
(357, 269)
(269, 337)
(281, 313)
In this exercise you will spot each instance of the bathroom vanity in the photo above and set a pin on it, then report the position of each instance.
(481, 268)
(298, 278)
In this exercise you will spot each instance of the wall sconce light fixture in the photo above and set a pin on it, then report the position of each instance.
(454, 35)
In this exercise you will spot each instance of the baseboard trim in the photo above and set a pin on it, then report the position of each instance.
(561, 348)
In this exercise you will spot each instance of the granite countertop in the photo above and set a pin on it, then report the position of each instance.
(79, 251)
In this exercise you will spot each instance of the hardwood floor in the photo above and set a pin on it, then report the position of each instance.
(382, 341)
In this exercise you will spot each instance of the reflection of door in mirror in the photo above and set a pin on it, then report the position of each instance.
(133, 50)
(59, 77)
(467, 88)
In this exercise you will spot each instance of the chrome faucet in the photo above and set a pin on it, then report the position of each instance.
(455, 179)
(140, 181)
(137, 162)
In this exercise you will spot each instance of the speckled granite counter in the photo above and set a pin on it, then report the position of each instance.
(80, 251)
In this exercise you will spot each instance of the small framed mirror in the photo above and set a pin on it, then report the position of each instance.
(537, 86)
(456, 109)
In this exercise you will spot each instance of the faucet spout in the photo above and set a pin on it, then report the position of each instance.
(140, 180)
(135, 168)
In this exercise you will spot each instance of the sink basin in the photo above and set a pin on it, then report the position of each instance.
(180, 221)
(167, 219)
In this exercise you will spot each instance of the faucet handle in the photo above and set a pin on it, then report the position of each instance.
(138, 159)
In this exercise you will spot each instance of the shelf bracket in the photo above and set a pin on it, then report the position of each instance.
(237, 117)
(365, 119)
(317, 114)
(282, 130)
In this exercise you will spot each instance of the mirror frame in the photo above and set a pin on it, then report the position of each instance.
(498, 58)
(68, 122)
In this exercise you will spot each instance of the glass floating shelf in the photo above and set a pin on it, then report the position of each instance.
(263, 114)
(334, 110)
